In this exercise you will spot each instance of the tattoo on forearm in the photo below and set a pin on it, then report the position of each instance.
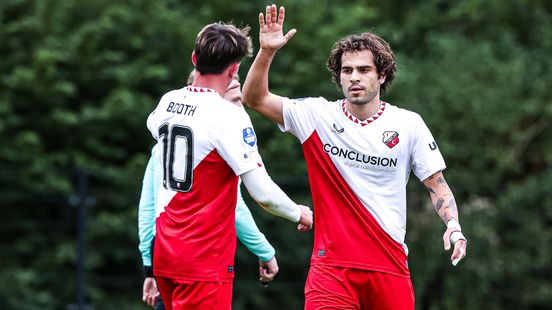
(439, 204)
(441, 180)
(431, 190)
(453, 208)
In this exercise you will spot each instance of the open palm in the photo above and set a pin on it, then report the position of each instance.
(271, 36)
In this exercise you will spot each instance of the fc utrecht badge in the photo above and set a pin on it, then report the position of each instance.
(391, 138)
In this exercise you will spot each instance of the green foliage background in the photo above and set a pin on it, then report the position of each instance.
(79, 77)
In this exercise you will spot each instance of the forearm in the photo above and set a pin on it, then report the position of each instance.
(255, 86)
(256, 93)
(146, 215)
(442, 197)
(269, 196)
(250, 235)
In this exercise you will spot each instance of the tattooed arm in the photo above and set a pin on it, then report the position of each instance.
(445, 205)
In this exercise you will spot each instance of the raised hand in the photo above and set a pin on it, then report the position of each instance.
(271, 36)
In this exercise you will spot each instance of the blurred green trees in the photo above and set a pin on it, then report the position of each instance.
(79, 77)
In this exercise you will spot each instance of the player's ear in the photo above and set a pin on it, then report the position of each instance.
(194, 58)
(233, 70)
(381, 78)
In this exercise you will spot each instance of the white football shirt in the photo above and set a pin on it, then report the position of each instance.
(358, 172)
(204, 143)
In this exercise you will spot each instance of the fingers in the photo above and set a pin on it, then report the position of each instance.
(265, 275)
(459, 252)
(273, 14)
(150, 292)
(268, 270)
(303, 228)
(150, 299)
(306, 218)
(290, 34)
(282, 15)
(262, 23)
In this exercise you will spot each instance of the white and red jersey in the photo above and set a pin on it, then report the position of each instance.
(358, 171)
(205, 142)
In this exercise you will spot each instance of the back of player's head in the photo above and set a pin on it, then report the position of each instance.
(384, 58)
(218, 45)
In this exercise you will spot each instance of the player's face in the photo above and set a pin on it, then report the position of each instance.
(360, 80)
(233, 93)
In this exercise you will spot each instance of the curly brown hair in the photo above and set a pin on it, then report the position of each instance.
(383, 56)
(218, 45)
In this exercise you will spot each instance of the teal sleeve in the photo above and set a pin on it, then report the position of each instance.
(146, 212)
(249, 234)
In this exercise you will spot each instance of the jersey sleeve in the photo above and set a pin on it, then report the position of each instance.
(426, 158)
(146, 213)
(237, 143)
(152, 122)
(249, 234)
(299, 116)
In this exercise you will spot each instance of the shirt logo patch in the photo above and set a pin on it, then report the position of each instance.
(230, 269)
(321, 253)
(249, 136)
(390, 138)
(338, 130)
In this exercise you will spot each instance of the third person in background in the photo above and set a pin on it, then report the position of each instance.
(359, 153)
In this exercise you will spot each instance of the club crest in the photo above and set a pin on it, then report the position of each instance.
(390, 138)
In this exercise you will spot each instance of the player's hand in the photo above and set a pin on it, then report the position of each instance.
(453, 235)
(305, 221)
(268, 270)
(150, 293)
(271, 36)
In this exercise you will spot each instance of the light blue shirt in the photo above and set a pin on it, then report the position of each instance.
(246, 229)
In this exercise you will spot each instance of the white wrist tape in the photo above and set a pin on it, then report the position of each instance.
(455, 236)
(452, 223)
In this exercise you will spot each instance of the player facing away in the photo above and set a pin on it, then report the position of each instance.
(359, 153)
(246, 229)
(206, 142)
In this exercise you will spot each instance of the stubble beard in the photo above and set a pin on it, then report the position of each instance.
(361, 100)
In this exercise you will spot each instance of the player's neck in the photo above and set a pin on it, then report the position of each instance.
(364, 111)
(216, 82)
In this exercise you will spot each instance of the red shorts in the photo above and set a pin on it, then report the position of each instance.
(193, 295)
(330, 287)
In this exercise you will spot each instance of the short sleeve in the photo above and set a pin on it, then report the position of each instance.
(237, 143)
(426, 157)
(299, 116)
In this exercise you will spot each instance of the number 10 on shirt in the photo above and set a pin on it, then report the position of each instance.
(177, 143)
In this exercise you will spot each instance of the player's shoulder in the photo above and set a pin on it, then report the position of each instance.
(173, 93)
(402, 113)
(311, 102)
